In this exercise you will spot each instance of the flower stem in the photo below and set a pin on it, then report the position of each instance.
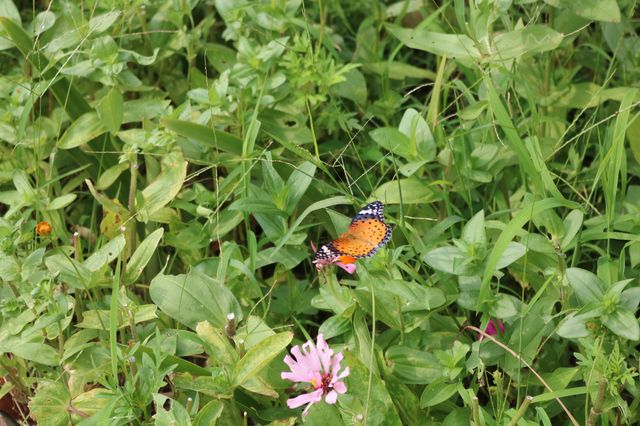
(596, 409)
(523, 409)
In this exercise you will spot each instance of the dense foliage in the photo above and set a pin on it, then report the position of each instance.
(165, 165)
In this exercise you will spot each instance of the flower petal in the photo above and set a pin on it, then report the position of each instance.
(331, 397)
(305, 398)
(340, 387)
(349, 267)
(325, 353)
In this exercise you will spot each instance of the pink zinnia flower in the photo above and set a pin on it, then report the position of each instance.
(349, 267)
(318, 366)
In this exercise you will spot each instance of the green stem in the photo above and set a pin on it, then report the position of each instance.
(521, 411)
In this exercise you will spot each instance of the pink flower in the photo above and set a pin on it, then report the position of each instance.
(349, 267)
(491, 329)
(318, 366)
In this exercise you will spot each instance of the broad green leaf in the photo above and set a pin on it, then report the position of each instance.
(162, 190)
(586, 285)
(398, 70)
(405, 191)
(208, 414)
(259, 356)
(105, 254)
(81, 131)
(71, 271)
(455, 46)
(451, 260)
(98, 319)
(437, 392)
(207, 136)
(50, 403)
(414, 127)
(526, 41)
(61, 201)
(100, 23)
(110, 110)
(195, 297)
(473, 232)
(43, 21)
(371, 397)
(597, 10)
(37, 352)
(624, 323)
(412, 366)
(354, 87)
(142, 255)
(513, 252)
(216, 344)
(9, 11)
(110, 175)
(393, 140)
(322, 414)
(573, 326)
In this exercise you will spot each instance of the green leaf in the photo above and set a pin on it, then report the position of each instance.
(110, 110)
(526, 41)
(529, 155)
(406, 191)
(162, 190)
(142, 255)
(98, 319)
(370, 394)
(586, 285)
(322, 414)
(513, 252)
(82, 131)
(413, 126)
(353, 88)
(437, 392)
(71, 271)
(597, 10)
(623, 323)
(61, 201)
(195, 297)
(43, 21)
(209, 413)
(473, 232)
(455, 46)
(101, 23)
(507, 235)
(216, 344)
(105, 254)
(451, 260)
(110, 175)
(67, 95)
(50, 403)
(36, 352)
(412, 366)
(393, 140)
(207, 136)
(259, 356)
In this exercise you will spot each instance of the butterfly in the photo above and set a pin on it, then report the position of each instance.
(366, 234)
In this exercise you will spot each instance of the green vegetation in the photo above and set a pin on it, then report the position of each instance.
(185, 153)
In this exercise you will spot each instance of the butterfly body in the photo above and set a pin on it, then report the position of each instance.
(367, 233)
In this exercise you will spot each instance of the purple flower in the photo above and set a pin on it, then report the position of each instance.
(318, 366)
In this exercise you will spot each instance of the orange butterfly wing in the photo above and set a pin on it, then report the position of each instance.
(363, 238)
